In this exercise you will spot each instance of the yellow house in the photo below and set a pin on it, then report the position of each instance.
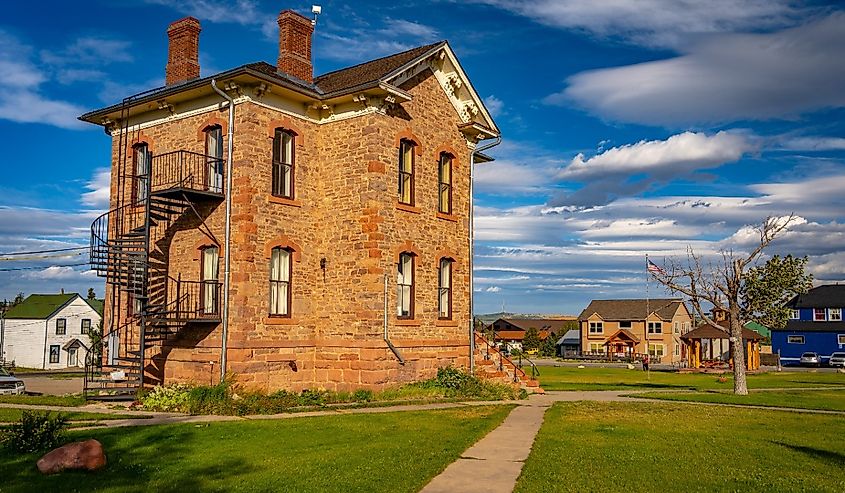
(620, 328)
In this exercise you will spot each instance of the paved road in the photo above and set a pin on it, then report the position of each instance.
(52, 386)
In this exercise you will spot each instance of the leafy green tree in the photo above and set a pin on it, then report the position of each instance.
(531, 339)
(18, 299)
(767, 288)
(91, 294)
(547, 347)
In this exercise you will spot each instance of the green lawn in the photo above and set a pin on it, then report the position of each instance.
(390, 452)
(8, 415)
(44, 400)
(830, 400)
(650, 447)
(571, 378)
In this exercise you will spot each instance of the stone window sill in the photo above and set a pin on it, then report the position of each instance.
(442, 322)
(407, 322)
(447, 217)
(280, 321)
(407, 208)
(284, 201)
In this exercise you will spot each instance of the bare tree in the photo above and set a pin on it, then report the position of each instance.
(720, 283)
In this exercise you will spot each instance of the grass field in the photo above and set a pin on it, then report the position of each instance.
(571, 378)
(11, 415)
(390, 452)
(44, 400)
(829, 400)
(649, 447)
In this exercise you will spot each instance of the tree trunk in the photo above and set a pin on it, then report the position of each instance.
(740, 383)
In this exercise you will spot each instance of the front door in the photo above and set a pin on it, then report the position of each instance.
(73, 357)
(209, 291)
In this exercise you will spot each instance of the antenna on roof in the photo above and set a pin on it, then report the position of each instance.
(316, 10)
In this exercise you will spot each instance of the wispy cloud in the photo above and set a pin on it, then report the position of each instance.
(90, 51)
(369, 41)
(656, 23)
(98, 188)
(722, 79)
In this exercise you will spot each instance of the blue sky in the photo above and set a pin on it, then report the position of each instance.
(629, 127)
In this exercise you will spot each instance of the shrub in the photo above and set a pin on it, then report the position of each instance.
(362, 395)
(166, 398)
(450, 377)
(35, 431)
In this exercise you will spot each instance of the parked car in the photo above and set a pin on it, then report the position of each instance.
(10, 384)
(810, 359)
(837, 359)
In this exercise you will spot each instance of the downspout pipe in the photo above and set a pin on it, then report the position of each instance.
(472, 247)
(227, 235)
(386, 337)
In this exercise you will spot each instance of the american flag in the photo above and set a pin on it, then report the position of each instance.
(652, 267)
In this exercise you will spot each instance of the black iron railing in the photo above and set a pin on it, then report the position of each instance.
(192, 300)
(187, 170)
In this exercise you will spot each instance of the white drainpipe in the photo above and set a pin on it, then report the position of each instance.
(226, 247)
(472, 247)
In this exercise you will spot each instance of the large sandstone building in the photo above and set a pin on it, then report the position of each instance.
(337, 206)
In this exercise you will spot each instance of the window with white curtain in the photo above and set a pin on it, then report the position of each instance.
(280, 267)
(214, 151)
(210, 273)
(405, 286)
(283, 163)
(142, 171)
(406, 172)
(444, 177)
(444, 296)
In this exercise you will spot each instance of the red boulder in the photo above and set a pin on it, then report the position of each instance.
(86, 455)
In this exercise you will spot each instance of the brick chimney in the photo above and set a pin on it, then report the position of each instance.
(183, 51)
(295, 32)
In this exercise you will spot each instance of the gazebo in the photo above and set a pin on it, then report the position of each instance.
(708, 346)
(621, 344)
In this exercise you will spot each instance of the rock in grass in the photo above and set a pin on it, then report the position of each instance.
(87, 455)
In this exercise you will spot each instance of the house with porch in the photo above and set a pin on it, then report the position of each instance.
(626, 328)
(510, 332)
(815, 325)
(291, 229)
(49, 331)
(708, 345)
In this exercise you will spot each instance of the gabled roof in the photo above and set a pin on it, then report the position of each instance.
(828, 296)
(665, 309)
(555, 325)
(622, 334)
(572, 336)
(758, 328)
(40, 306)
(808, 326)
(707, 331)
(371, 71)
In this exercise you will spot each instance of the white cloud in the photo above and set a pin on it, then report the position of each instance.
(660, 23)
(681, 153)
(244, 12)
(723, 78)
(493, 289)
(356, 44)
(99, 188)
(57, 272)
(813, 143)
(90, 51)
(494, 105)
(21, 99)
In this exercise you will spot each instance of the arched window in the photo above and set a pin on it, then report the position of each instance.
(280, 287)
(444, 291)
(405, 286)
(283, 163)
(141, 160)
(444, 178)
(209, 275)
(214, 157)
(406, 172)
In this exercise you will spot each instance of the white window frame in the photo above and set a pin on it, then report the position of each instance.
(281, 265)
(677, 349)
(676, 326)
(652, 350)
(57, 354)
(596, 327)
(823, 315)
(795, 339)
(795, 314)
(654, 327)
(834, 318)
(597, 347)
(405, 286)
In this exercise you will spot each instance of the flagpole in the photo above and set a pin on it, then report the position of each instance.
(647, 309)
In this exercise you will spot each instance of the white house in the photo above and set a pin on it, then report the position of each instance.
(49, 331)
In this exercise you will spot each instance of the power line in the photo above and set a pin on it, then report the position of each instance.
(44, 251)
(40, 257)
(43, 267)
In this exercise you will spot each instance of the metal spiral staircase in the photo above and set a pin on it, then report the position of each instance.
(146, 305)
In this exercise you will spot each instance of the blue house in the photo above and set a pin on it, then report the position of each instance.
(815, 325)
